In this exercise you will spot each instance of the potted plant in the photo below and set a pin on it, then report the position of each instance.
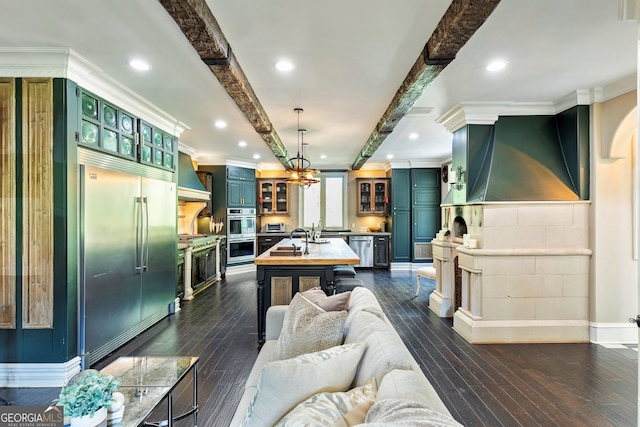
(86, 398)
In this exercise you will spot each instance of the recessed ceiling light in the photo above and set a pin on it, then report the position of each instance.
(389, 156)
(284, 65)
(242, 144)
(139, 65)
(413, 135)
(220, 124)
(496, 65)
(256, 156)
(323, 156)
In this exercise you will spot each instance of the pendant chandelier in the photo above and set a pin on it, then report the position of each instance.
(300, 171)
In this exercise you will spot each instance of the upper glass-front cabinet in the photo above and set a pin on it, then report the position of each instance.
(273, 197)
(107, 128)
(373, 197)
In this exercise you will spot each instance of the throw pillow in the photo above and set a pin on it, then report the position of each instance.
(340, 409)
(335, 302)
(397, 412)
(285, 383)
(306, 329)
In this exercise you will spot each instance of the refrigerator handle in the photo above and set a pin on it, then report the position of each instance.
(145, 259)
(139, 253)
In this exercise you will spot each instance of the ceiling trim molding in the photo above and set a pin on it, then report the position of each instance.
(67, 63)
(487, 113)
(457, 25)
(200, 27)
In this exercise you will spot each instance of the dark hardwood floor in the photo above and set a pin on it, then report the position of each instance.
(482, 385)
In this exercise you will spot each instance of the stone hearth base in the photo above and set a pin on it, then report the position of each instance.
(440, 304)
(519, 331)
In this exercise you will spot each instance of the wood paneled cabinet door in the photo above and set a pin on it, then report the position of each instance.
(273, 197)
(373, 197)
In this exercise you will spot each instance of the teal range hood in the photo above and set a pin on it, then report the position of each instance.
(189, 186)
(523, 158)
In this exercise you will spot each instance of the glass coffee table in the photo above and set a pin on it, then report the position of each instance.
(147, 381)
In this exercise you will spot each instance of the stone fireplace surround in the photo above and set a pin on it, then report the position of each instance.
(528, 278)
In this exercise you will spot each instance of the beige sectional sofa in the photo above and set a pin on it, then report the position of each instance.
(383, 356)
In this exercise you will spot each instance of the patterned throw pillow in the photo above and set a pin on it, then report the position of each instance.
(335, 302)
(307, 328)
(285, 383)
(400, 413)
(339, 409)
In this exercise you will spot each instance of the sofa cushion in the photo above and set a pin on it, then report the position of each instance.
(285, 383)
(336, 302)
(385, 350)
(307, 328)
(338, 409)
(265, 355)
(399, 412)
(362, 299)
(410, 385)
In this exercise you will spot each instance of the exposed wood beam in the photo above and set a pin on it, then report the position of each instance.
(458, 24)
(201, 29)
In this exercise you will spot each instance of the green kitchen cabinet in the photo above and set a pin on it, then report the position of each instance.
(401, 236)
(240, 174)
(241, 187)
(401, 189)
(425, 211)
(401, 215)
(232, 187)
(415, 213)
(106, 127)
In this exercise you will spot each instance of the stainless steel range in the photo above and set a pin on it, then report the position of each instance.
(202, 262)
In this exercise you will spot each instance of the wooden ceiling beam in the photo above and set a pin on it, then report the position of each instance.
(458, 24)
(197, 23)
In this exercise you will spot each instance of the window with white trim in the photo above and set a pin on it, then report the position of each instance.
(325, 203)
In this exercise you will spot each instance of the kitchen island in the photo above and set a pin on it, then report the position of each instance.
(281, 274)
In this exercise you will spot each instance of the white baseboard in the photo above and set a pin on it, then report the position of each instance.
(613, 333)
(409, 265)
(38, 374)
(241, 268)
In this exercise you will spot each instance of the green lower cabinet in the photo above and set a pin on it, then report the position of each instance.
(401, 236)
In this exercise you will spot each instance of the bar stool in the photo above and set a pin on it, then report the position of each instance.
(344, 284)
(427, 273)
(344, 271)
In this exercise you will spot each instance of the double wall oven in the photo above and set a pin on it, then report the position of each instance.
(241, 235)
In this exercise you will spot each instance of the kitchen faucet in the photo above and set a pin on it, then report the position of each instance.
(306, 234)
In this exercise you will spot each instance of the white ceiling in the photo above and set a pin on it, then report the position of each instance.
(350, 57)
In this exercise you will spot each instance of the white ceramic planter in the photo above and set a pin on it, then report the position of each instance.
(99, 419)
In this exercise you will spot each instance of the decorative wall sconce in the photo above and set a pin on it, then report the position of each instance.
(457, 180)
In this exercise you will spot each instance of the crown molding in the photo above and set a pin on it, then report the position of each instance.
(184, 148)
(67, 63)
(487, 113)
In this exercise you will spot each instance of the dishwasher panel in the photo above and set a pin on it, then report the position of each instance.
(363, 247)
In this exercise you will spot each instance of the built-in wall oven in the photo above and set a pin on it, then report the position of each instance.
(241, 235)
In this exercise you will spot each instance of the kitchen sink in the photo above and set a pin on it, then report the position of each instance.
(285, 251)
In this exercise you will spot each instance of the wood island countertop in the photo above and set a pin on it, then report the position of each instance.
(335, 252)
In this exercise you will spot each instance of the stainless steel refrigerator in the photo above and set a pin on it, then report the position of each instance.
(128, 251)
